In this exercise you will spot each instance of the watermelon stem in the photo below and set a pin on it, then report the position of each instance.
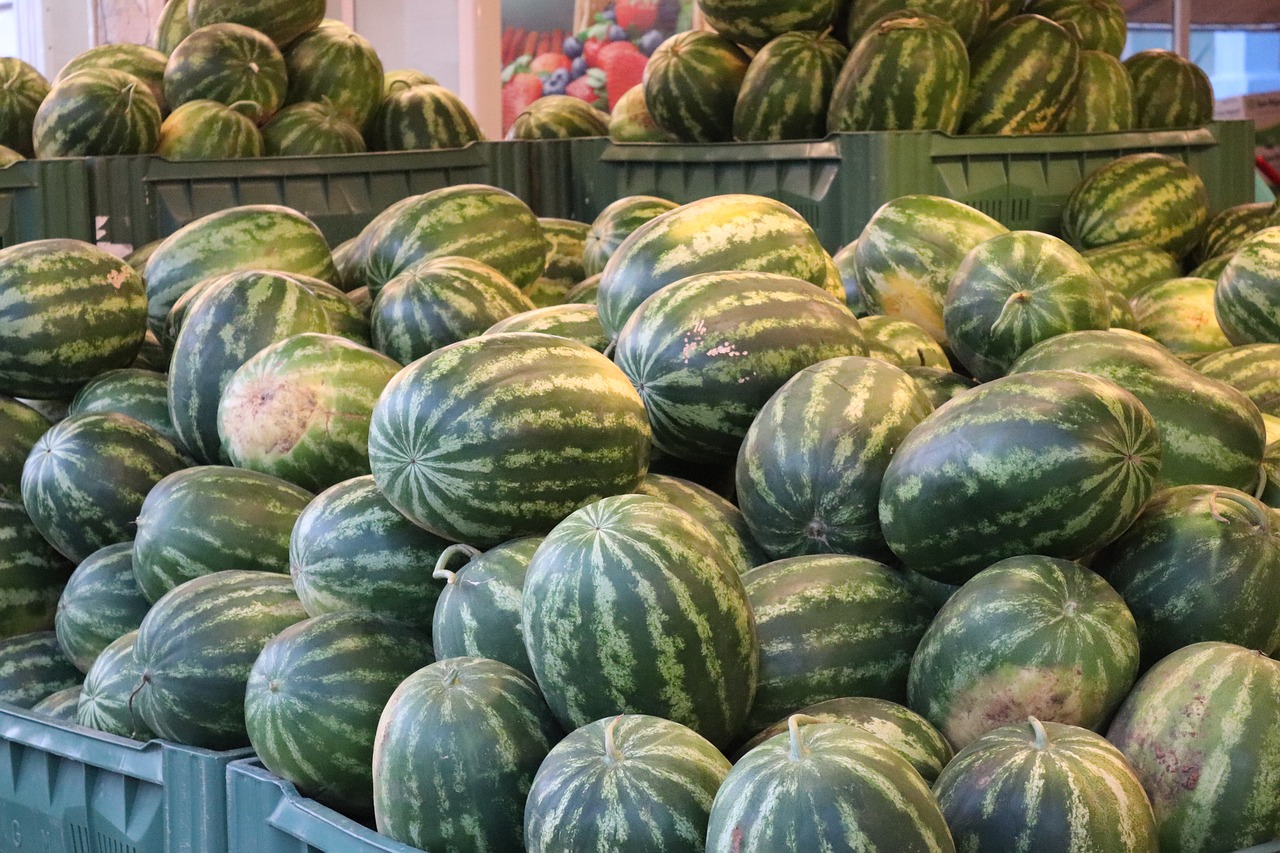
(1261, 520)
(1042, 736)
(798, 748)
(1020, 297)
(442, 571)
(611, 753)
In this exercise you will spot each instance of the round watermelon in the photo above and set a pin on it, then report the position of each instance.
(97, 112)
(31, 667)
(335, 65)
(106, 699)
(422, 117)
(723, 519)
(631, 120)
(1179, 314)
(754, 23)
(100, 604)
(1169, 92)
(1253, 369)
(615, 224)
(310, 130)
(281, 20)
(559, 117)
(1100, 25)
(771, 106)
(1023, 78)
(1247, 299)
(22, 90)
(1104, 98)
(145, 63)
(228, 63)
(172, 26)
(691, 86)
(20, 428)
(208, 130)
(140, 394)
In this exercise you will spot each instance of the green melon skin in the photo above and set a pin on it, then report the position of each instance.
(140, 394)
(31, 667)
(559, 117)
(22, 90)
(1169, 92)
(939, 385)
(771, 106)
(208, 130)
(1130, 267)
(59, 705)
(310, 130)
(230, 64)
(98, 112)
(968, 18)
(1229, 230)
(1253, 369)
(1023, 78)
(20, 428)
(1104, 97)
(567, 240)
(1100, 25)
(422, 118)
(615, 224)
(335, 64)
(691, 86)
(172, 26)
(725, 521)
(631, 121)
(1179, 314)
(100, 604)
(145, 63)
(578, 322)
(105, 699)
(1247, 300)
(754, 23)
(280, 20)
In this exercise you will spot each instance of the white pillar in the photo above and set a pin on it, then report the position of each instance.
(480, 62)
(1182, 28)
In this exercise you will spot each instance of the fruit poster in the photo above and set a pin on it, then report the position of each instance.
(590, 49)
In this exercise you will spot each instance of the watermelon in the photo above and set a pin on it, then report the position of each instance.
(310, 130)
(1015, 291)
(456, 751)
(20, 429)
(908, 253)
(1228, 231)
(724, 520)
(1169, 92)
(585, 293)
(138, 257)
(86, 478)
(907, 72)
(787, 90)
(97, 112)
(281, 20)
(1129, 267)
(101, 603)
(1201, 563)
(691, 86)
(1029, 636)
(755, 23)
(1100, 25)
(145, 63)
(334, 64)
(1149, 198)
(106, 699)
(504, 435)
(1253, 369)
(403, 78)
(140, 394)
(1067, 462)
(31, 667)
(558, 117)
(707, 353)
(1003, 10)
(826, 786)
(809, 471)
(53, 411)
(1023, 78)
(22, 90)
(1212, 268)
(1047, 785)
(239, 238)
(32, 574)
(565, 270)
(693, 659)
(422, 117)
(1104, 96)
(1270, 490)
(346, 261)
(1179, 314)
(1199, 730)
(172, 26)
(615, 224)
(208, 130)
(351, 550)
(228, 63)
(940, 386)
(60, 705)
(968, 17)
(914, 738)
(1210, 432)
(196, 648)
(732, 232)
(1247, 300)
(633, 782)
(579, 322)
(478, 613)
(152, 355)
(8, 157)
(314, 697)
(630, 120)
(902, 343)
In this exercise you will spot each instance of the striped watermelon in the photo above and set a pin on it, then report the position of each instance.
(351, 550)
(152, 355)
(826, 786)
(314, 697)
(1048, 785)
(1210, 433)
(806, 609)
(31, 667)
(310, 130)
(333, 64)
(1247, 300)
(615, 224)
(345, 317)
(1122, 316)
(693, 659)
(478, 613)
(483, 223)
(1129, 267)
(101, 603)
(172, 26)
(907, 72)
(754, 23)
(22, 90)
(259, 236)
(967, 17)
(902, 343)
(422, 117)
(8, 157)
(456, 752)
(210, 519)
(1212, 268)
(914, 738)
(585, 293)
(1068, 461)
(1003, 10)
(140, 394)
(721, 518)
(630, 120)
(86, 478)
(565, 268)
(228, 63)
(346, 261)
(707, 353)
(97, 112)
(60, 705)
(32, 574)
(558, 117)
(1023, 78)
(460, 441)
(787, 90)
(579, 322)
(1200, 731)
(732, 232)
(106, 699)
(403, 78)
(300, 409)
(691, 86)
(1015, 291)
(1179, 314)
(145, 63)
(909, 252)
(940, 386)
(1201, 563)
(1029, 636)
(20, 429)
(1229, 230)
(1253, 369)
(281, 20)
(633, 782)
(1169, 92)
(1104, 97)
(1148, 198)
(809, 472)
(1270, 491)
(138, 257)
(208, 130)
(1100, 25)
(196, 647)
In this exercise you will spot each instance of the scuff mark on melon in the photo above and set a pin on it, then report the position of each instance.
(1010, 695)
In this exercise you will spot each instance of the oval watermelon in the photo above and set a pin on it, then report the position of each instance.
(1100, 25)
(422, 117)
(1247, 299)
(20, 428)
(691, 86)
(281, 20)
(145, 63)
(1169, 92)
(208, 130)
(228, 63)
(787, 91)
(31, 667)
(172, 26)
(334, 64)
(1104, 97)
(1023, 79)
(22, 91)
(721, 518)
(1129, 267)
(559, 117)
(310, 130)
(97, 112)
(101, 603)
(579, 322)
(106, 699)
(141, 394)
(615, 224)
(1253, 369)
(1178, 313)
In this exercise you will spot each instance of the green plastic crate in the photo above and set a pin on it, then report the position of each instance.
(40, 199)
(266, 814)
(67, 789)
(840, 182)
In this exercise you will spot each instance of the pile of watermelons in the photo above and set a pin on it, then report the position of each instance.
(228, 79)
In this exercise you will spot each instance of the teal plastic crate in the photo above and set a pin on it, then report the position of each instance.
(40, 199)
(840, 182)
(266, 814)
(67, 789)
